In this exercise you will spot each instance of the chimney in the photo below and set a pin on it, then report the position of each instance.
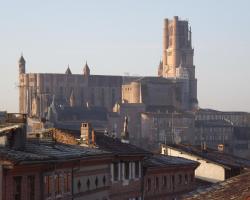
(221, 147)
(86, 132)
(203, 146)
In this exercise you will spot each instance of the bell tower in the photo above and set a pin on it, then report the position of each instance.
(177, 60)
(177, 49)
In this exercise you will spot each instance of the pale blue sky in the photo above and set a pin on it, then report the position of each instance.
(126, 36)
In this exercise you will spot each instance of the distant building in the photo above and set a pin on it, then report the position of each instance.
(67, 99)
(229, 130)
(214, 165)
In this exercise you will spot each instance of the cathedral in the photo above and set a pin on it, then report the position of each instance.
(175, 86)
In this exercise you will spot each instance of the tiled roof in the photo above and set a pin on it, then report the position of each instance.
(158, 160)
(236, 188)
(115, 146)
(220, 158)
(46, 151)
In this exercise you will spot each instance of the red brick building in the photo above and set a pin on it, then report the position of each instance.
(167, 177)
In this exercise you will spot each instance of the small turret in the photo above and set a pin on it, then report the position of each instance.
(68, 71)
(160, 68)
(86, 70)
(21, 64)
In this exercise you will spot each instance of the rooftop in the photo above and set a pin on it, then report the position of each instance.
(158, 161)
(46, 151)
(235, 188)
(115, 146)
(212, 155)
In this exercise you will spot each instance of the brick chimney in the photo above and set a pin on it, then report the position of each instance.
(86, 132)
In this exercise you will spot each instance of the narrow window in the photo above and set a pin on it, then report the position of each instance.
(17, 187)
(31, 187)
(113, 97)
(126, 172)
(186, 179)
(180, 178)
(164, 181)
(149, 184)
(116, 171)
(48, 185)
(173, 182)
(156, 183)
(67, 179)
(57, 185)
(137, 169)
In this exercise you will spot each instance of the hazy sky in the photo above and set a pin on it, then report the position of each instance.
(126, 36)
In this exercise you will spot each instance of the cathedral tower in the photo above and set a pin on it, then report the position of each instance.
(177, 59)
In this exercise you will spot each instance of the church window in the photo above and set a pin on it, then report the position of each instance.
(102, 97)
(113, 96)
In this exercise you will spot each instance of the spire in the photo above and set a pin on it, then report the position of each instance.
(21, 64)
(68, 71)
(72, 100)
(86, 70)
(21, 59)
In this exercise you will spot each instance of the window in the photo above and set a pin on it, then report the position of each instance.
(156, 183)
(48, 185)
(116, 171)
(31, 187)
(67, 181)
(180, 178)
(88, 184)
(102, 97)
(164, 181)
(186, 179)
(57, 184)
(17, 187)
(191, 177)
(149, 184)
(96, 181)
(113, 97)
(126, 170)
(104, 180)
(137, 169)
(173, 182)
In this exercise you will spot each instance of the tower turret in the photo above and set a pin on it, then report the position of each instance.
(21, 64)
(86, 70)
(68, 71)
